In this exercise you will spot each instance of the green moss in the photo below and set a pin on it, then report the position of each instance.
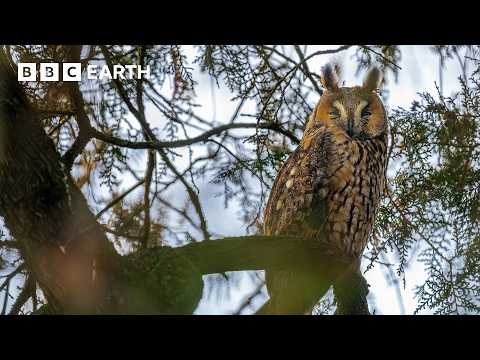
(161, 282)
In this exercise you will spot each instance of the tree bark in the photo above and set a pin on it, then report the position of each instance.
(46, 212)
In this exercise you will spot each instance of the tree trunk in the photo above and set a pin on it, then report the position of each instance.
(44, 210)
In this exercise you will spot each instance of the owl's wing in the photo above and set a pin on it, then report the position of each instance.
(297, 204)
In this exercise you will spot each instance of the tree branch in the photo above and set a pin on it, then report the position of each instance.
(381, 56)
(191, 193)
(306, 70)
(11, 244)
(85, 133)
(159, 145)
(27, 292)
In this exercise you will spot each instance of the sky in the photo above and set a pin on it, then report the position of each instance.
(420, 71)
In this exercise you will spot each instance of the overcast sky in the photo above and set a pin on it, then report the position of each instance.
(420, 70)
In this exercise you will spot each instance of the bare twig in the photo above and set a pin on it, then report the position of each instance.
(306, 70)
(146, 197)
(249, 299)
(119, 198)
(368, 48)
(191, 193)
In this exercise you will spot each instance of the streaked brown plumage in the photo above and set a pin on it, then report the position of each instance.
(331, 184)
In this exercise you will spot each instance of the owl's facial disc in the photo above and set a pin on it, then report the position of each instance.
(351, 117)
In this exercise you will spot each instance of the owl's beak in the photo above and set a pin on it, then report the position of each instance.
(350, 127)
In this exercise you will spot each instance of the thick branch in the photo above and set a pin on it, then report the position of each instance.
(286, 252)
(262, 252)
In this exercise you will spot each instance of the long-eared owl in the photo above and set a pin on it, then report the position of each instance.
(331, 185)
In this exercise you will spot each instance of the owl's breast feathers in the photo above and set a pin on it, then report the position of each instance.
(330, 186)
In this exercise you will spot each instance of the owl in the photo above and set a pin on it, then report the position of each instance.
(330, 186)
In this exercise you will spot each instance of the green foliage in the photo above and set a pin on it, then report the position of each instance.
(434, 199)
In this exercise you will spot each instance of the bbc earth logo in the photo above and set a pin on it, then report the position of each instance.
(73, 72)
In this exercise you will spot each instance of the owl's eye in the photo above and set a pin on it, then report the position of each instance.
(366, 112)
(334, 114)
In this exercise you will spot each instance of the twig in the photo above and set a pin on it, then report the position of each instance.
(381, 55)
(296, 67)
(5, 299)
(10, 276)
(119, 198)
(307, 70)
(146, 197)
(248, 301)
(193, 196)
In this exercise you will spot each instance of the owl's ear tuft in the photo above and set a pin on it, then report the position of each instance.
(329, 78)
(373, 79)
